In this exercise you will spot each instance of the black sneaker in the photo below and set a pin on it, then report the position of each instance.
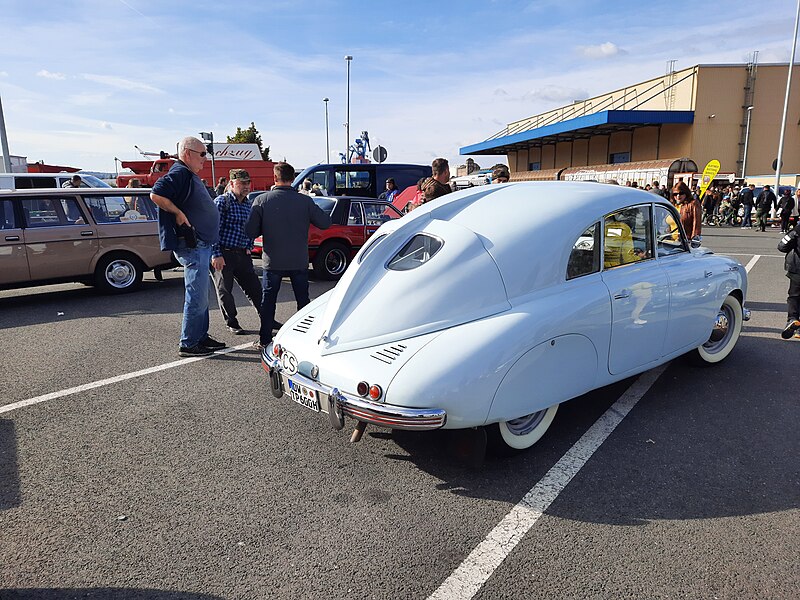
(210, 342)
(235, 328)
(196, 350)
(792, 326)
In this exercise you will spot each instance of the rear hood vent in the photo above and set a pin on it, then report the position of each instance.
(304, 325)
(388, 354)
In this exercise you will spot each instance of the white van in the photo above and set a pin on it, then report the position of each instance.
(31, 181)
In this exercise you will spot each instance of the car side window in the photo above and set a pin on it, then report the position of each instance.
(356, 182)
(419, 250)
(355, 218)
(7, 218)
(627, 237)
(670, 239)
(52, 212)
(121, 209)
(584, 258)
(376, 214)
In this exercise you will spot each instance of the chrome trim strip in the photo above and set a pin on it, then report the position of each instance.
(384, 415)
(746, 314)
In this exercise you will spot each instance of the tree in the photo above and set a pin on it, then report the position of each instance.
(249, 136)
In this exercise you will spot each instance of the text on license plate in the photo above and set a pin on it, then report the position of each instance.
(304, 396)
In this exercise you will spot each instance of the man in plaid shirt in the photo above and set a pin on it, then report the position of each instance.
(230, 257)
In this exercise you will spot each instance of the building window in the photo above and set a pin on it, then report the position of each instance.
(620, 157)
(536, 166)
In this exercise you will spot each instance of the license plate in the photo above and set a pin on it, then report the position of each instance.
(304, 396)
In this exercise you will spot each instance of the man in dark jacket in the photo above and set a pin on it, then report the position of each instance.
(765, 201)
(789, 246)
(282, 217)
(746, 198)
(437, 185)
(785, 207)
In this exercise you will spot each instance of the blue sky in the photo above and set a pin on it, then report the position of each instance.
(84, 81)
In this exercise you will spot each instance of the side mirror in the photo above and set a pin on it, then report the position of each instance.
(696, 242)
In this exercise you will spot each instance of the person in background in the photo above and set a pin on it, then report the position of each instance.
(306, 187)
(438, 184)
(785, 207)
(74, 182)
(209, 189)
(390, 192)
(221, 185)
(230, 257)
(689, 210)
(746, 198)
(766, 200)
(789, 246)
(188, 224)
(282, 217)
(501, 175)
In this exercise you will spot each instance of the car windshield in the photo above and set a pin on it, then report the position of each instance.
(92, 181)
(325, 204)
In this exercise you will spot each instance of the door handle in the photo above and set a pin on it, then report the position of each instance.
(87, 233)
(12, 238)
(622, 294)
(709, 273)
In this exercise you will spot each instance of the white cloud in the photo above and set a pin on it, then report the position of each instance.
(3, 73)
(48, 75)
(122, 84)
(604, 50)
(106, 125)
(556, 93)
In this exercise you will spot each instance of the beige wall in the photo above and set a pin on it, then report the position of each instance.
(645, 144)
(708, 90)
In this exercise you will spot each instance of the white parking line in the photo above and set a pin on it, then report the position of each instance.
(476, 569)
(117, 379)
(752, 262)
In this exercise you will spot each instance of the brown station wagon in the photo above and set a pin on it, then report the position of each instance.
(104, 237)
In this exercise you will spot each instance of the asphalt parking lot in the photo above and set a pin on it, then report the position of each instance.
(192, 481)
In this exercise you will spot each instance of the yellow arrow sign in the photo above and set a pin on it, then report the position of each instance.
(711, 170)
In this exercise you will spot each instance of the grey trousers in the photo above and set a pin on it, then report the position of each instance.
(238, 267)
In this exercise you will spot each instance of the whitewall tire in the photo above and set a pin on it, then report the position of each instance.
(524, 432)
(727, 327)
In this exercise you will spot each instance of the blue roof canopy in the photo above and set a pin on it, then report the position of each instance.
(600, 123)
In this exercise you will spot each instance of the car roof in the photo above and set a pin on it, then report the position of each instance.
(109, 191)
(531, 223)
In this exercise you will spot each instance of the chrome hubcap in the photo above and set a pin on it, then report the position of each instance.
(335, 262)
(120, 273)
(722, 330)
(524, 425)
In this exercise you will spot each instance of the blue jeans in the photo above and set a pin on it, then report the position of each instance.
(196, 280)
(272, 285)
(747, 220)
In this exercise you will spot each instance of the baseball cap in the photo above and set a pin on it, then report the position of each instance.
(240, 174)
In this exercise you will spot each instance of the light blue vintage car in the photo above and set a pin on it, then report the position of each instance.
(491, 306)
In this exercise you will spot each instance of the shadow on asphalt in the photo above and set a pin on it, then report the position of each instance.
(767, 306)
(702, 443)
(104, 593)
(10, 495)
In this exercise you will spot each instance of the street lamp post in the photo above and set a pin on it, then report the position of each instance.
(746, 140)
(208, 136)
(327, 138)
(785, 109)
(348, 59)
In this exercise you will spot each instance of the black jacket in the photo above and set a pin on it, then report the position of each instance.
(746, 196)
(789, 246)
(786, 204)
(766, 200)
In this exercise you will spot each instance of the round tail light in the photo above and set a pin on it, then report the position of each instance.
(362, 388)
(277, 350)
(375, 392)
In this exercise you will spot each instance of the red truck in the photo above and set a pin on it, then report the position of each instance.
(261, 173)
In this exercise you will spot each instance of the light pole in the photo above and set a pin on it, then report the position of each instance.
(4, 143)
(208, 136)
(785, 110)
(348, 59)
(746, 140)
(327, 138)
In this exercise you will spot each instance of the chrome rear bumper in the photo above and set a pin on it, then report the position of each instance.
(338, 404)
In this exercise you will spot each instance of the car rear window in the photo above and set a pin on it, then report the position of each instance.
(325, 204)
(419, 250)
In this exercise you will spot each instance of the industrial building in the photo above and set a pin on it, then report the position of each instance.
(656, 128)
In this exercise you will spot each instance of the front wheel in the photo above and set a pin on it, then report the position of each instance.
(724, 335)
(521, 433)
(118, 273)
(331, 260)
